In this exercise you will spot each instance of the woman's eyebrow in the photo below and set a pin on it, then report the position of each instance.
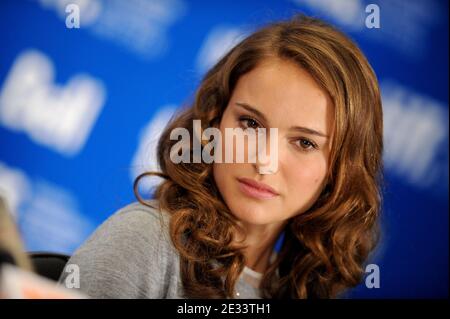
(252, 110)
(294, 128)
(308, 131)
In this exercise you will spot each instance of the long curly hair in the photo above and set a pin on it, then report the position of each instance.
(325, 248)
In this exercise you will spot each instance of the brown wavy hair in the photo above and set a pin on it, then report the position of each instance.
(326, 247)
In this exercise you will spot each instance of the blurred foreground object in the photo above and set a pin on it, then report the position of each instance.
(17, 281)
(10, 241)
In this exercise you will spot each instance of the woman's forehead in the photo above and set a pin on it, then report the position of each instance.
(285, 94)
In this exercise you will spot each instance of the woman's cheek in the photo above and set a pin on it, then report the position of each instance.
(309, 177)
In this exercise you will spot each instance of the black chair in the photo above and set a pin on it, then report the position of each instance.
(47, 264)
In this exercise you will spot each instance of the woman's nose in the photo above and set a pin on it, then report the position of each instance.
(267, 152)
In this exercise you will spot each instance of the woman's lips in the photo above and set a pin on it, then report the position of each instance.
(255, 189)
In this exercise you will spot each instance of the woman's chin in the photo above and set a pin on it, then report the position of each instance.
(254, 213)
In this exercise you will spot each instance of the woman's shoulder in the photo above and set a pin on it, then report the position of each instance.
(151, 209)
(128, 255)
(135, 222)
(133, 227)
(140, 216)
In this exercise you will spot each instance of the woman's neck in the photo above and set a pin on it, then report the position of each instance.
(260, 242)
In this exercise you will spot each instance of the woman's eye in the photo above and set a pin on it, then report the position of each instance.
(249, 122)
(306, 144)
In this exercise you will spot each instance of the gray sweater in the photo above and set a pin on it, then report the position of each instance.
(131, 255)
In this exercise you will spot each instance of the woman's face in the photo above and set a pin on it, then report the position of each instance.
(278, 94)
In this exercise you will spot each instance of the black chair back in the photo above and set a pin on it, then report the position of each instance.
(49, 265)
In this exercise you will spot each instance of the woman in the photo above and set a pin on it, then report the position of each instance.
(220, 221)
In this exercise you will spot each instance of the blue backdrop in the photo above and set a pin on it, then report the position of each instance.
(81, 110)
